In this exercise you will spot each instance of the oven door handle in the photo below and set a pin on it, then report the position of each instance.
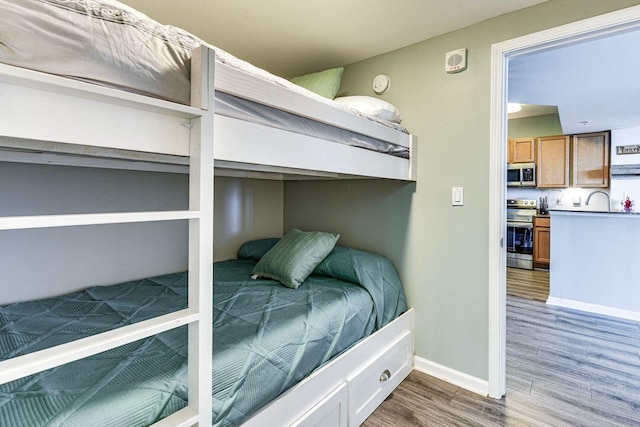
(526, 225)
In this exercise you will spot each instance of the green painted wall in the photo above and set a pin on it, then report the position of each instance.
(439, 250)
(545, 125)
(245, 209)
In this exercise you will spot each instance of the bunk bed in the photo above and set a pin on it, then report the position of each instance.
(55, 119)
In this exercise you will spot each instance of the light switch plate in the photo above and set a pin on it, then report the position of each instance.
(457, 196)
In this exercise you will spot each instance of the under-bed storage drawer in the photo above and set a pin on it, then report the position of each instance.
(369, 387)
(330, 411)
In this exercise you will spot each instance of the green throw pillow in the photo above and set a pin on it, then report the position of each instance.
(325, 83)
(255, 249)
(295, 256)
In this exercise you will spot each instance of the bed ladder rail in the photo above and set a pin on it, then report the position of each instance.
(29, 364)
(194, 140)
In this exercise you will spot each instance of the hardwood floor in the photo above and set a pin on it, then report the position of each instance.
(564, 368)
(530, 284)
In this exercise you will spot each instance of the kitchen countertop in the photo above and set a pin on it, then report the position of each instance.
(634, 214)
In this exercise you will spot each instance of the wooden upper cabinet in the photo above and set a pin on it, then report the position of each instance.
(552, 164)
(590, 160)
(522, 150)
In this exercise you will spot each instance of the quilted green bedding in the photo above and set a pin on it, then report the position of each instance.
(266, 338)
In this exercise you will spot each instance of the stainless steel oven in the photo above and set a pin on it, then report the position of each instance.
(521, 174)
(520, 215)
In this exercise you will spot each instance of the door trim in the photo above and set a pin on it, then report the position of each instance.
(580, 31)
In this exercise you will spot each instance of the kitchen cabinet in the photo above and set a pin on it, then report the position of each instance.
(521, 150)
(553, 161)
(590, 160)
(541, 242)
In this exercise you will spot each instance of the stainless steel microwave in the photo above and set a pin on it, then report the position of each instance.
(521, 174)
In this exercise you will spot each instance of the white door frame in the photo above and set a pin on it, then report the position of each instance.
(580, 31)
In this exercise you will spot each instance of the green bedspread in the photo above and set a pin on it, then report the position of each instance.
(266, 338)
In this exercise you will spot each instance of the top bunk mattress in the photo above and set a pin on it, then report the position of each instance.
(108, 43)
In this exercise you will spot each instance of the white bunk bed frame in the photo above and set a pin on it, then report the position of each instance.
(54, 120)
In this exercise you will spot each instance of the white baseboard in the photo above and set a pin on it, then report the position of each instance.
(452, 376)
(594, 308)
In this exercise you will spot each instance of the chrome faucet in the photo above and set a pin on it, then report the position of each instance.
(586, 203)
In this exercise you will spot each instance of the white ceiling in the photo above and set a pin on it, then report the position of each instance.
(595, 84)
(293, 37)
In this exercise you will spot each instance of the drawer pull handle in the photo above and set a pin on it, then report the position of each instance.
(385, 375)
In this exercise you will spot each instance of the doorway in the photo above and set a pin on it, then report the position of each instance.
(577, 32)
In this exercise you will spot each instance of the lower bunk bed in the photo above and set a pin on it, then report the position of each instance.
(348, 322)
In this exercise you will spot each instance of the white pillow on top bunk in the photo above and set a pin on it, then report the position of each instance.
(375, 107)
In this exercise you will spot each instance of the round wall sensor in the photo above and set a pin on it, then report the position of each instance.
(381, 83)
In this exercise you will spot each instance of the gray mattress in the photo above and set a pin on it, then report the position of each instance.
(108, 43)
(266, 338)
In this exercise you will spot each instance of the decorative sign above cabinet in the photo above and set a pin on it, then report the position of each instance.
(628, 149)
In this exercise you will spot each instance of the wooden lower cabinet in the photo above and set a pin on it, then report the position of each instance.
(541, 242)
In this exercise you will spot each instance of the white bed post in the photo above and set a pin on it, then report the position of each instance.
(413, 161)
(201, 236)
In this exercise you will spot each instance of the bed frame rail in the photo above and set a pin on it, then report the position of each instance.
(42, 107)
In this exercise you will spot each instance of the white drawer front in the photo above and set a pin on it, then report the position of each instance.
(329, 412)
(375, 382)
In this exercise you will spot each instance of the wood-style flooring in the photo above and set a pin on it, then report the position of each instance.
(529, 284)
(564, 368)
